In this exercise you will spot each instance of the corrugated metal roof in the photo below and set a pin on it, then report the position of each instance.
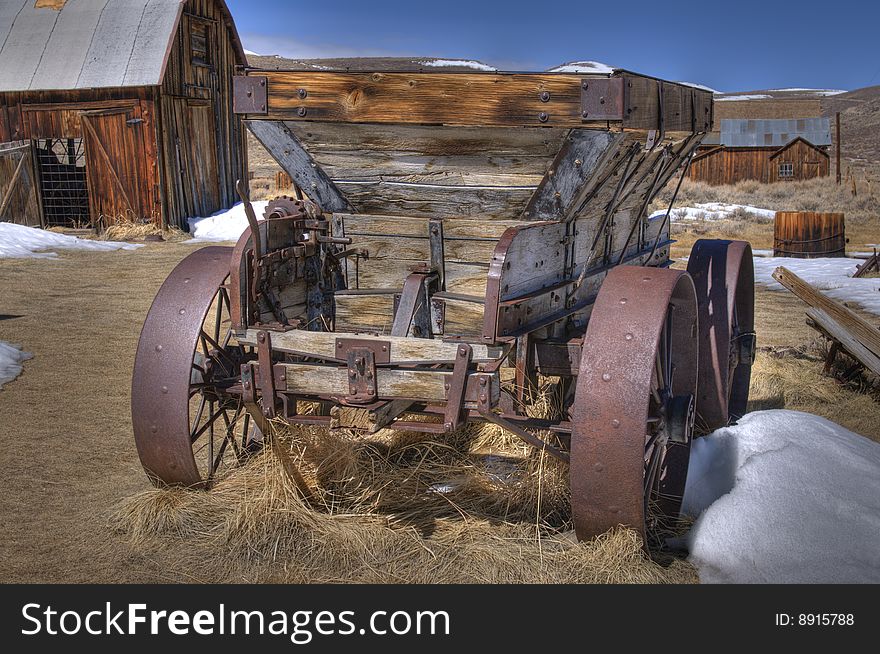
(774, 133)
(85, 44)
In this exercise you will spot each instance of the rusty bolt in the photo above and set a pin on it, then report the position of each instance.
(601, 100)
(262, 82)
(261, 337)
(447, 425)
(482, 397)
(606, 376)
(446, 386)
(578, 163)
(302, 111)
(302, 94)
(545, 96)
(482, 381)
(462, 352)
(543, 116)
(585, 86)
(352, 374)
(585, 113)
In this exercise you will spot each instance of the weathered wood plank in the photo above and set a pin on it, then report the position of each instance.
(502, 99)
(861, 329)
(579, 159)
(496, 156)
(435, 200)
(402, 349)
(281, 143)
(424, 385)
(415, 226)
(847, 341)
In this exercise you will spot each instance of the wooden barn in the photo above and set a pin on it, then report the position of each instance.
(766, 150)
(117, 110)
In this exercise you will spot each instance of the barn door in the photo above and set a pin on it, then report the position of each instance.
(18, 188)
(115, 153)
(197, 156)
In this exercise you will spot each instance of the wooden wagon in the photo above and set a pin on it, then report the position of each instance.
(454, 236)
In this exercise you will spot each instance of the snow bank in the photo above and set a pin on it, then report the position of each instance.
(713, 211)
(830, 275)
(784, 497)
(252, 53)
(734, 98)
(19, 242)
(442, 63)
(226, 225)
(11, 358)
(583, 67)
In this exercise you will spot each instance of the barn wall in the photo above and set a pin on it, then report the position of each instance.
(56, 114)
(729, 166)
(732, 165)
(202, 140)
(807, 162)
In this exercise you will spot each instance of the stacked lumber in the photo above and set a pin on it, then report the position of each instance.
(847, 331)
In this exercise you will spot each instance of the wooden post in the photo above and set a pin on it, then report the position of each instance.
(838, 147)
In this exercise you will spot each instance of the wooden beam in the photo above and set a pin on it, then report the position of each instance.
(502, 99)
(867, 334)
(391, 383)
(280, 142)
(403, 349)
(843, 339)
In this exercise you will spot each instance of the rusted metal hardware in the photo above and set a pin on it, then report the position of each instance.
(266, 373)
(602, 98)
(250, 94)
(457, 386)
(361, 376)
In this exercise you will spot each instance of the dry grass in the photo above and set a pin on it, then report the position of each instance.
(862, 211)
(137, 231)
(376, 516)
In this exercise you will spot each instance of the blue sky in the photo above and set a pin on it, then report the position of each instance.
(737, 45)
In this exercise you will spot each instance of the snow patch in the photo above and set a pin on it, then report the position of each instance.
(11, 358)
(583, 67)
(713, 211)
(734, 98)
(784, 497)
(441, 63)
(252, 53)
(833, 276)
(700, 86)
(21, 242)
(226, 225)
(816, 91)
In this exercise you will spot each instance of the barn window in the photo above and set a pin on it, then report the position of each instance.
(786, 170)
(199, 42)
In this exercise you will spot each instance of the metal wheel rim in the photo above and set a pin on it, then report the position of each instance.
(186, 430)
(723, 274)
(641, 339)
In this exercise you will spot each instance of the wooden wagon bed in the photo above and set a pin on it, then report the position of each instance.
(428, 169)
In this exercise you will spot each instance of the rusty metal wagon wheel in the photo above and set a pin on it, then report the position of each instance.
(187, 428)
(633, 412)
(724, 277)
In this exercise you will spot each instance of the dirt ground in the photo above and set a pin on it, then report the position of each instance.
(69, 457)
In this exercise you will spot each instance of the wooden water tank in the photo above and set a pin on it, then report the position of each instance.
(808, 235)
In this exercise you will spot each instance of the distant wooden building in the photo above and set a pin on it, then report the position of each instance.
(772, 150)
(118, 110)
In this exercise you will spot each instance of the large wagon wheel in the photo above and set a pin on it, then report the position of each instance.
(633, 412)
(186, 427)
(724, 277)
